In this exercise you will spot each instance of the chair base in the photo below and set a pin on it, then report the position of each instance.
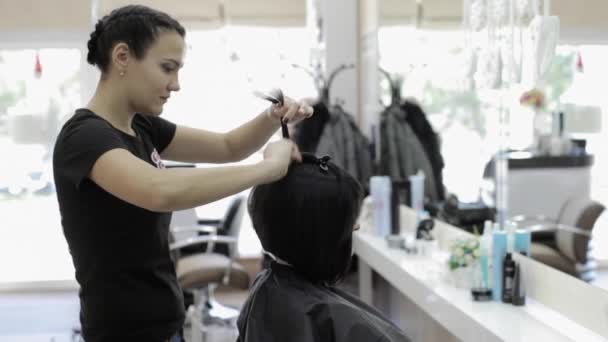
(207, 313)
(217, 312)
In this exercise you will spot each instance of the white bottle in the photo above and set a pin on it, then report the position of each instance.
(510, 227)
(417, 191)
(380, 190)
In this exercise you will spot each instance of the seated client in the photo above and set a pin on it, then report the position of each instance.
(305, 223)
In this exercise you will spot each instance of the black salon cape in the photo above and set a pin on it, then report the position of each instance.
(283, 306)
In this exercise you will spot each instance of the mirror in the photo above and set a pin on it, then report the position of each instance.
(547, 168)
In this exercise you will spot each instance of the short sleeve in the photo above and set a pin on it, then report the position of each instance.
(162, 131)
(80, 145)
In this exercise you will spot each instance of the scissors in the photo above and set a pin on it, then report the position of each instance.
(276, 97)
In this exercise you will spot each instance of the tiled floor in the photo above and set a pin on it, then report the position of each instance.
(37, 338)
(50, 317)
(34, 317)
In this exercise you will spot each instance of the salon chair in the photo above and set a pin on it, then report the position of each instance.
(191, 225)
(564, 243)
(201, 273)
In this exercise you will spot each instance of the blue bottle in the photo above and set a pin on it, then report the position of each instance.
(499, 250)
(522, 241)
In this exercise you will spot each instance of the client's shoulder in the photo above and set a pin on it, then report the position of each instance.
(283, 286)
(282, 303)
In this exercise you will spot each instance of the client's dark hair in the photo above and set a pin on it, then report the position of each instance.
(307, 218)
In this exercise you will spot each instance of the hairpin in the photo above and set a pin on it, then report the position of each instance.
(323, 163)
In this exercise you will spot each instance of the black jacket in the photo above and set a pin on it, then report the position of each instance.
(401, 153)
(335, 133)
(283, 306)
(421, 126)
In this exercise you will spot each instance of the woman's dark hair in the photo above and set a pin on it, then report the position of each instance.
(137, 26)
(307, 218)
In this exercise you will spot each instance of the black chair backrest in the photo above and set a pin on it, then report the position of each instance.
(231, 225)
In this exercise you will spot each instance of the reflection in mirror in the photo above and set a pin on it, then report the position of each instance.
(566, 185)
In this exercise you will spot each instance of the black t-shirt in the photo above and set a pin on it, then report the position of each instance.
(128, 286)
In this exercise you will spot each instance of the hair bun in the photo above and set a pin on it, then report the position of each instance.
(93, 43)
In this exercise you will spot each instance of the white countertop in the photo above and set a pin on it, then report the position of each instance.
(421, 280)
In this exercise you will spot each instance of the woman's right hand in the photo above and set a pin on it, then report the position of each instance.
(278, 155)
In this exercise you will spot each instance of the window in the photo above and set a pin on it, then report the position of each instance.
(222, 68)
(38, 90)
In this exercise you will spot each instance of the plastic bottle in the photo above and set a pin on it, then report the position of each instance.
(380, 190)
(499, 249)
(508, 279)
(395, 211)
(510, 227)
(485, 247)
(522, 241)
(519, 287)
(417, 191)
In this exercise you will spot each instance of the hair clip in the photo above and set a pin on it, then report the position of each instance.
(323, 163)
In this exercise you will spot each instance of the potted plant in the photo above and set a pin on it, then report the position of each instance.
(463, 256)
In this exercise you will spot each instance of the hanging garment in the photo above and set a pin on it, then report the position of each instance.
(430, 141)
(283, 306)
(307, 132)
(402, 154)
(344, 142)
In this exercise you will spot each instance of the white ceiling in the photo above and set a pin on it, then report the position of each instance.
(578, 20)
(213, 12)
(61, 15)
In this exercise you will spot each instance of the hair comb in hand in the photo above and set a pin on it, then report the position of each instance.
(276, 97)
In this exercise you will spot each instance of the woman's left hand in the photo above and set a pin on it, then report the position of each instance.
(291, 111)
